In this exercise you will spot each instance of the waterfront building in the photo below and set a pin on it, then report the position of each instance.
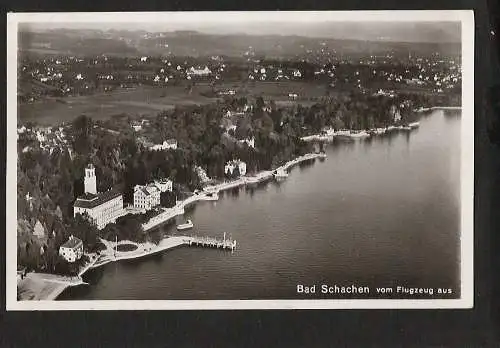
(146, 197)
(329, 131)
(72, 250)
(232, 165)
(101, 208)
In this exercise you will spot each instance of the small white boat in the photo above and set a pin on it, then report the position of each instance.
(251, 180)
(186, 226)
(406, 128)
(390, 128)
(414, 125)
(280, 173)
(379, 131)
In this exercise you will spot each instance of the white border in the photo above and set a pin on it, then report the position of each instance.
(466, 17)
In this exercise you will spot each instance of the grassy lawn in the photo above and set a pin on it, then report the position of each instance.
(126, 247)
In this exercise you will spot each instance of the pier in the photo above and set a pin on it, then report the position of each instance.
(211, 242)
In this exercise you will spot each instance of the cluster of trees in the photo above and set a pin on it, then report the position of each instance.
(42, 253)
(127, 227)
(353, 110)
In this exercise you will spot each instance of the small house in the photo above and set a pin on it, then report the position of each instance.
(72, 250)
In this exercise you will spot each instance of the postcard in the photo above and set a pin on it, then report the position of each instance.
(240, 160)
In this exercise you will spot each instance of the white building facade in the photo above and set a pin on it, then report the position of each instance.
(90, 180)
(170, 144)
(230, 167)
(249, 141)
(72, 250)
(164, 185)
(146, 197)
(101, 208)
(199, 72)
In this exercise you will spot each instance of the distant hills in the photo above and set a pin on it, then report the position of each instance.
(193, 43)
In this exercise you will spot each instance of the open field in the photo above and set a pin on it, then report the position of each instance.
(144, 101)
(140, 101)
(276, 90)
(148, 101)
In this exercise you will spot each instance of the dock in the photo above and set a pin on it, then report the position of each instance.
(211, 242)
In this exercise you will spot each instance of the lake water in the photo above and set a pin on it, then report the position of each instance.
(377, 212)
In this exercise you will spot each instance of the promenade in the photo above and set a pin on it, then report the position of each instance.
(178, 209)
(110, 254)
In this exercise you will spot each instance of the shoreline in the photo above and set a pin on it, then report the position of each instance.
(45, 286)
(373, 131)
(179, 208)
(438, 108)
(44, 289)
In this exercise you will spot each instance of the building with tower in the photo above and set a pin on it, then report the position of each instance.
(90, 180)
(101, 208)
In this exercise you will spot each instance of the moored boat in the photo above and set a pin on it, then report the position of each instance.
(414, 125)
(280, 173)
(211, 196)
(186, 226)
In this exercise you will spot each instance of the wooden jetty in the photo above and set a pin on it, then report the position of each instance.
(211, 242)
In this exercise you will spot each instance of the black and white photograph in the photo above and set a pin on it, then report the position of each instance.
(240, 160)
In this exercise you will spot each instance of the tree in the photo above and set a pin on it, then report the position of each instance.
(82, 130)
(259, 103)
(82, 228)
(167, 199)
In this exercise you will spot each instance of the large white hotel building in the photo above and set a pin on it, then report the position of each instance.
(102, 208)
